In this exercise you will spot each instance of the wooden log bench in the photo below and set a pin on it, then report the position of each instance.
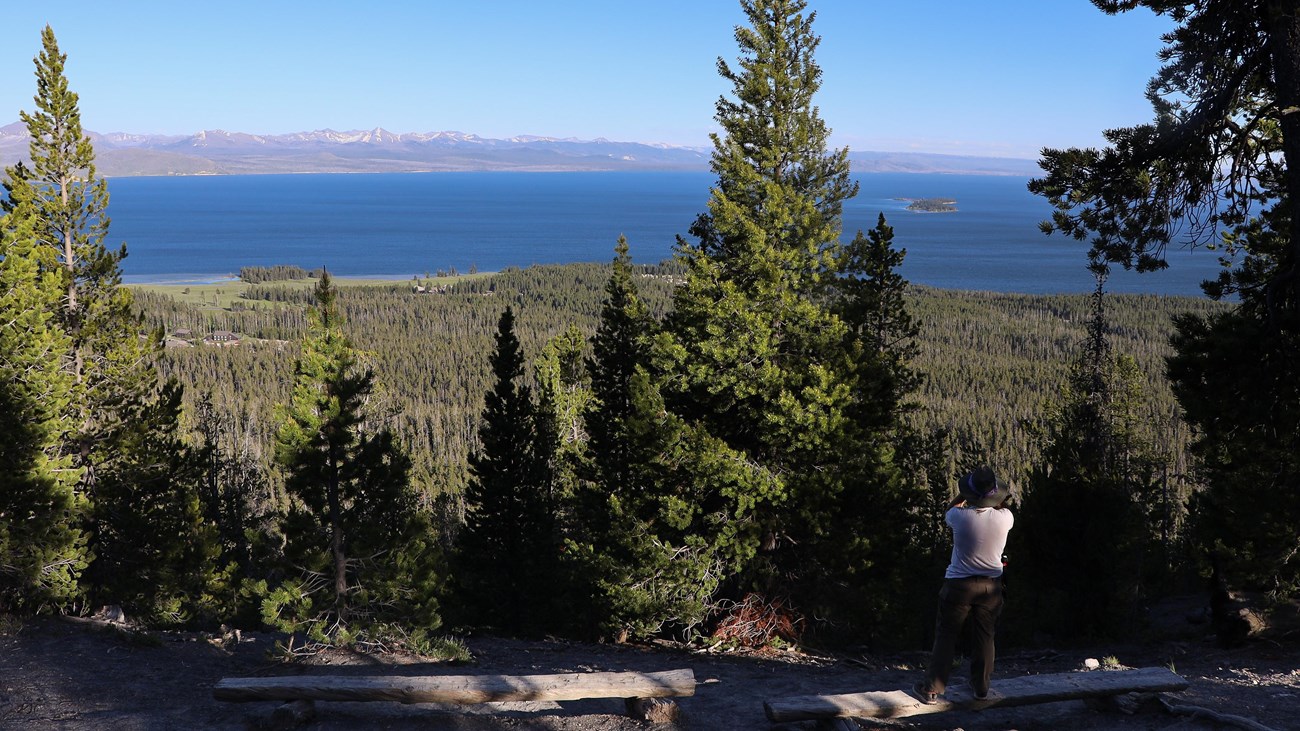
(1022, 691)
(459, 689)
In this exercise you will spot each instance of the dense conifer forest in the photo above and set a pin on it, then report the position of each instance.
(991, 361)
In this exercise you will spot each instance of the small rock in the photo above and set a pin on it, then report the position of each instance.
(1091, 663)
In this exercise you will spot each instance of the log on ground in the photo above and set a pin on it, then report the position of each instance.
(458, 688)
(1020, 691)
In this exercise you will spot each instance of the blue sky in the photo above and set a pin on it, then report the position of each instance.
(1001, 77)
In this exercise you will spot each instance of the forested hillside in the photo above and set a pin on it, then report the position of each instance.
(990, 360)
(429, 350)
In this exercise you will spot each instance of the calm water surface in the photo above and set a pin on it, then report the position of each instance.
(399, 225)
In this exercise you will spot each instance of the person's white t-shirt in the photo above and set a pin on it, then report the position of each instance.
(979, 535)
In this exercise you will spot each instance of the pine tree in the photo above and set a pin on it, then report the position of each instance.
(758, 351)
(110, 355)
(1218, 166)
(656, 528)
(235, 491)
(620, 346)
(1084, 506)
(634, 567)
(352, 524)
(155, 555)
(42, 549)
(69, 204)
(563, 396)
(1238, 382)
(507, 556)
(775, 212)
(234, 498)
(760, 360)
(871, 298)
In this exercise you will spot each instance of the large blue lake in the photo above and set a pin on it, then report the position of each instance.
(398, 225)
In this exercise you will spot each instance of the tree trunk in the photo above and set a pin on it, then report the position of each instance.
(1282, 19)
(336, 535)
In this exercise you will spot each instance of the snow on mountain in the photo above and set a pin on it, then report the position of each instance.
(379, 150)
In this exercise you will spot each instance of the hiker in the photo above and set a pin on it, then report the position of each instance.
(972, 589)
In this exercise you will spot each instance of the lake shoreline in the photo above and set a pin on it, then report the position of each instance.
(194, 230)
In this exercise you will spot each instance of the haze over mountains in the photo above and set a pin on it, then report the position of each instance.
(216, 152)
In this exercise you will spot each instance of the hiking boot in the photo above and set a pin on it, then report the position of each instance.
(924, 695)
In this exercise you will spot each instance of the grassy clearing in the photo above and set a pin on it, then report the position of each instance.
(223, 295)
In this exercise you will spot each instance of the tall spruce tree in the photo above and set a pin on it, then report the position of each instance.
(42, 548)
(760, 360)
(352, 525)
(507, 556)
(642, 561)
(871, 298)
(882, 565)
(1087, 504)
(620, 345)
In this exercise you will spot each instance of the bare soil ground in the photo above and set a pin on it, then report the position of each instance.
(73, 677)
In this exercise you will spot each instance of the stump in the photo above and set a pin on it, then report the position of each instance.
(654, 710)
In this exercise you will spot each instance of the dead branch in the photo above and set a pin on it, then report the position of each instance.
(1181, 709)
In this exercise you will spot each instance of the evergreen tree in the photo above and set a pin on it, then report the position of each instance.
(1240, 386)
(42, 550)
(871, 298)
(1085, 506)
(352, 525)
(154, 553)
(774, 216)
(234, 498)
(667, 535)
(69, 204)
(507, 557)
(563, 397)
(110, 357)
(759, 359)
(757, 350)
(1219, 166)
(642, 562)
(620, 345)
(234, 492)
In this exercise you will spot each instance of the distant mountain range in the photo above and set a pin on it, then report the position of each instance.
(216, 152)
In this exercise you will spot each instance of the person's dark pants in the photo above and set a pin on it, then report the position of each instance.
(975, 602)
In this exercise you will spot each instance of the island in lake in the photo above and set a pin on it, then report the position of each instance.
(930, 205)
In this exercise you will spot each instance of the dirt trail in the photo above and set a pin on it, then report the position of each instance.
(59, 675)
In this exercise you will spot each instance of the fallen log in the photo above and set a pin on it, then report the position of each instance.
(458, 688)
(1020, 691)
